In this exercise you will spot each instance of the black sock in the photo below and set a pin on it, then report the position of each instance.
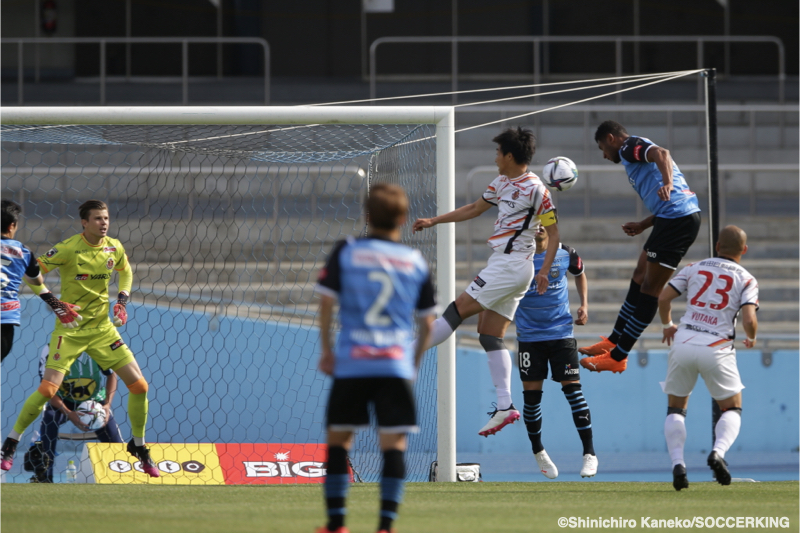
(626, 311)
(392, 486)
(580, 415)
(337, 482)
(645, 312)
(532, 414)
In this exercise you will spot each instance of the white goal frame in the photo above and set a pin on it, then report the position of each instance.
(442, 116)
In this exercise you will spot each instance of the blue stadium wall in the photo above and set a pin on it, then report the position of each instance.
(219, 380)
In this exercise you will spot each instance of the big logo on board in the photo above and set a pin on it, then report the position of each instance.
(259, 463)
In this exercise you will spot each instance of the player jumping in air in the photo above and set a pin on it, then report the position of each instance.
(544, 332)
(379, 284)
(86, 262)
(717, 290)
(524, 204)
(675, 221)
(18, 266)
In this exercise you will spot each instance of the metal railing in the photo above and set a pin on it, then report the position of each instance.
(536, 41)
(103, 41)
(587, 170)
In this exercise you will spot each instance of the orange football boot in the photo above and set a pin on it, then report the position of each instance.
(604, 345)
(604, 362)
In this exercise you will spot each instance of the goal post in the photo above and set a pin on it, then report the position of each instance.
(241, 141)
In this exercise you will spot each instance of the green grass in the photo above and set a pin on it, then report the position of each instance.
(428, 507)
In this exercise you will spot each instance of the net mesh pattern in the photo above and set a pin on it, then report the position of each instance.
(226, 228)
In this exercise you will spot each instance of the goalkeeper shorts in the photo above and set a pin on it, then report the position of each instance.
(103, 344)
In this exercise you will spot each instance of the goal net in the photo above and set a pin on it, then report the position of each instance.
(227, 216)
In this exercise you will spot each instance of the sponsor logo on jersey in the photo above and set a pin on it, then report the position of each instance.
(109, 249)
(81, 277)
(117, 344)
(12, 251)
(479, 282)
(374, 352)
(78, 389)
(9, 306)
(56, 356)
(101, 276)
(110, 263)
(509, 203)
(546, 203)
(569, 371)
(51, 252)
(515, 195)
(637, 153)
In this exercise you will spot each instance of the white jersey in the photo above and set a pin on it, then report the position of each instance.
(522, 203)
(715, 290)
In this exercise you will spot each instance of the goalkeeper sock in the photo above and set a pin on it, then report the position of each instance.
(392, 487)
(675, 434)
(337, 483)
(30, 411)
(532, 415)
(625, 312)
(580, 415)
(137, 414)
(645, 312)
(727, 429)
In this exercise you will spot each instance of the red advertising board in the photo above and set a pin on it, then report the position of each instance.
(244, 463)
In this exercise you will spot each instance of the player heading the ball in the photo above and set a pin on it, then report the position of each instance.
(523, 204)
(675, 221)
(380, 285)
(86, 262)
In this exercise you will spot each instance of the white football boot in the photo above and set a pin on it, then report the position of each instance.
(589, 465)
(546, 465)
(499, 420)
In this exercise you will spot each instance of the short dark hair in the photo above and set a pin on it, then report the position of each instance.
(385, 205)
(86, 208)
(519, 142)
(612, 127)
(11, 211)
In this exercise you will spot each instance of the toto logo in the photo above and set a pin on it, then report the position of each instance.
(168, 467)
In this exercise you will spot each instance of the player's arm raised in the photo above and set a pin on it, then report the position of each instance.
(665, 312)
(461, 214)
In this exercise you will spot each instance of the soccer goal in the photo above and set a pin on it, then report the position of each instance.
(227, 215)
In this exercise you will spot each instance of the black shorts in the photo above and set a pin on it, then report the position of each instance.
(7, 334)
(392, 398)
(671, 238)
(532, 358)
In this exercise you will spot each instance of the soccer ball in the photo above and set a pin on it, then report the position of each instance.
(92, 414)
(560, 174)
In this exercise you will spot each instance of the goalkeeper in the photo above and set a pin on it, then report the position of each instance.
(86, 262)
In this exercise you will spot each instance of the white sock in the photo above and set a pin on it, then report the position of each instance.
(675, 433)
(727, 429)
(500, 369)
(440, 332)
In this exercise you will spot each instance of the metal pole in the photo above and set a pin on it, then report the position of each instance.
(219, 44)
(713, 194)
(618, 58)
(102, 72)
(128, 34)
(454, 52)
(637, 14)
(537, 68)
(185, 71)
(265, 45)
(727, 30)
(20, 74)
(699, 66)
(364, 42)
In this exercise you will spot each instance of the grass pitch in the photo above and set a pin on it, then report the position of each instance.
(428, 507)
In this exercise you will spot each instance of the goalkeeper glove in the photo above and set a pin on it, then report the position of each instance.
(120, 313)
(66, 313)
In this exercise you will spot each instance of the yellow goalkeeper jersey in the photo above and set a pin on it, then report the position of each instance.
(85, 271)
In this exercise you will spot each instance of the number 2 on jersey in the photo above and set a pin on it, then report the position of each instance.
(723, 292)
(374, 316)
